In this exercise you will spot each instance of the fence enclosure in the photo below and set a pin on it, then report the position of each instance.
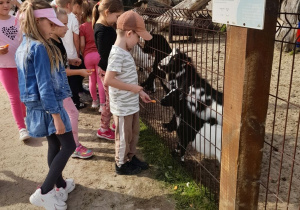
(193, 118)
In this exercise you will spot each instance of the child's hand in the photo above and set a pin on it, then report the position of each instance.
(145, 97)
(59, 125)
(75, 61)
(4, 49)
(136, 88)
(86, 72)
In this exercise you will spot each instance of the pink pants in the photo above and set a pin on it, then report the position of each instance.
(9, 80)
(73, 115)
(105, 114)
(91, 61)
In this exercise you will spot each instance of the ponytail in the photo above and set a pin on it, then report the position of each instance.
(95, 14)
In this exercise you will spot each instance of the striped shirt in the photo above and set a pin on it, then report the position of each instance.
(122, 102)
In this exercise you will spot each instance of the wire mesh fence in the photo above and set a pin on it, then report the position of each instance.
(182, 68)
(280, 178)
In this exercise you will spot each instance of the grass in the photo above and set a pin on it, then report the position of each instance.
(187, 193)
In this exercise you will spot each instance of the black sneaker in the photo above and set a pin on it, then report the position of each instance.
(136, 162)
(128, 169)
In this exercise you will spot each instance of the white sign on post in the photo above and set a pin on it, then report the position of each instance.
(244, 13)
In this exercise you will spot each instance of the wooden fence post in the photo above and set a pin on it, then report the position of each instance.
(249, 56)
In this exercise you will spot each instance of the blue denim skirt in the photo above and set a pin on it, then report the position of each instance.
(40, 123)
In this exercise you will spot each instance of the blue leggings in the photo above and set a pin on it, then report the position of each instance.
(60, 148)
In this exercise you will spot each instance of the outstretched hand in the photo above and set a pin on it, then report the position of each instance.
(86, 72)
(145, 97)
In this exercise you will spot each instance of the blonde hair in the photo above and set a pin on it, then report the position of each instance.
(112, 6)
(59, 11)
(30, 29)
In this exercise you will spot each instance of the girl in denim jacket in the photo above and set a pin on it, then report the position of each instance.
(43, 86)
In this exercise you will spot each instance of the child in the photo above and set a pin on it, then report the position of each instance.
(124, 92)
(71, 43)
(10, 37)
(91, 56)
(105, 15)
(43, 85)
(81, 151)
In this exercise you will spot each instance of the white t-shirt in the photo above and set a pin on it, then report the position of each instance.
(68, 40)
(122, 102)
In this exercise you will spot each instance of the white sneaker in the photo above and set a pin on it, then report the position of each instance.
(62, 193)
(95, 104)
(49, 201)
(24, 134)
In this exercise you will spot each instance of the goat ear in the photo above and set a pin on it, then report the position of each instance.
(177, 50)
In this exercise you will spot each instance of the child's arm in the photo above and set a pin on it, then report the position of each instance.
(110, 80)
(76, 43)
(75, 61)
(81, 72)
(59, 125)
(82, 44)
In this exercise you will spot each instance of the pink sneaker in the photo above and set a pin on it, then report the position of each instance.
(82, 152)
(109, 134)
(113, 127)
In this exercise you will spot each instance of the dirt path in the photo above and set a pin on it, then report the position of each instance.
(23, 167)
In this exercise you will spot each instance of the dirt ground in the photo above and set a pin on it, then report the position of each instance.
(23, 167)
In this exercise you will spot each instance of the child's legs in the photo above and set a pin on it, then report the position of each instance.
(73, 82)
(135, 135)
(101, 90)
(57, 159)
(126, 137)
(9, 80)
(105, 114)
(73, 115)
(91, 61)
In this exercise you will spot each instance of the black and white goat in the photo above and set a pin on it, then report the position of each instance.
(205, 101)
(158, 46)
(205, 135)
(186, 123)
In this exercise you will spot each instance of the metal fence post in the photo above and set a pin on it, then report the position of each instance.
(249, 57)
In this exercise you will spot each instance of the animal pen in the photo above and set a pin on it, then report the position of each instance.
(255, 104)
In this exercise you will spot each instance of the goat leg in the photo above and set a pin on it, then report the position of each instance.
(172, 125)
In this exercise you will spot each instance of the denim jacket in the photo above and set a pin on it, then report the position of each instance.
(37, 83)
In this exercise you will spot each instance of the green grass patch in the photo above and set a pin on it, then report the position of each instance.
(187, 193)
